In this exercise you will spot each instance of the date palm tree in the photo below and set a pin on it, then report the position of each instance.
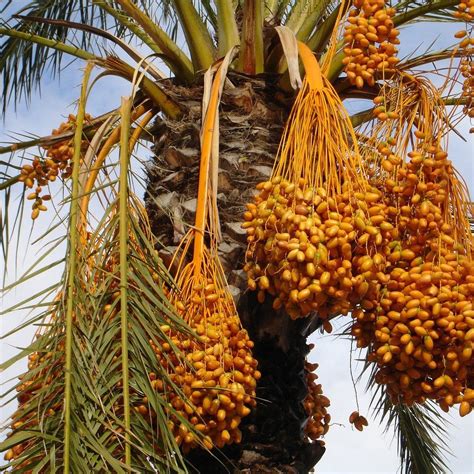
(91, 366)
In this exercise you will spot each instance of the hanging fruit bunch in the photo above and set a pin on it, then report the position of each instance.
(218, 375)
(38, 401)
(41, 389)
(315, 405)
(358, 421)
(60, 154)
(370, 38)
(43, 368)
(56, 163)
(309, 217)
(418, 322)
(465, 12)
(467, 71)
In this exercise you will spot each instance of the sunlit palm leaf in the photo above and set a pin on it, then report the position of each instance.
(436, 10)
(97, 435)
(22, 64)
(97, 391)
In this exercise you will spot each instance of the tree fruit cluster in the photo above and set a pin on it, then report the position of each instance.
(316, 405)
(308, 249)
(217, 374)
(370, 38)
(358, 421)
(58, 162)
(418, 320)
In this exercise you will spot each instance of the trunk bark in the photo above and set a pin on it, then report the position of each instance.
(252, 115)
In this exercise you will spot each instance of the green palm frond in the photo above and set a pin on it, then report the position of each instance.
(198, 38)
(22, 64)
(421, 436)
(73, 412)
(98, 436)
(419, 430)
(208, 13)
(35, 399)
(305, 17)
(435, 10)
(98, 347)
(323, 28)
(99, 342)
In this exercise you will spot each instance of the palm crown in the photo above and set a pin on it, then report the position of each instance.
(141, 362)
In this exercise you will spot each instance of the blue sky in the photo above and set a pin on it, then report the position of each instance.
(347, 449)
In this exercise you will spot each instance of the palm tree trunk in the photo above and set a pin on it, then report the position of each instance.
(251, 121)
(273, 435)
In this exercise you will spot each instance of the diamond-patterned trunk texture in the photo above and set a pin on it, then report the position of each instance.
(251, 122)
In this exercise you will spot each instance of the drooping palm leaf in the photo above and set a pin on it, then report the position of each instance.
(438, 10)
(96, 369)
(99, 340)
(73, 254)
(419, 430)
(85, 329)
(22, 64)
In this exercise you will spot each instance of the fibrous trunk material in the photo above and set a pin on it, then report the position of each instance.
(252, 116)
